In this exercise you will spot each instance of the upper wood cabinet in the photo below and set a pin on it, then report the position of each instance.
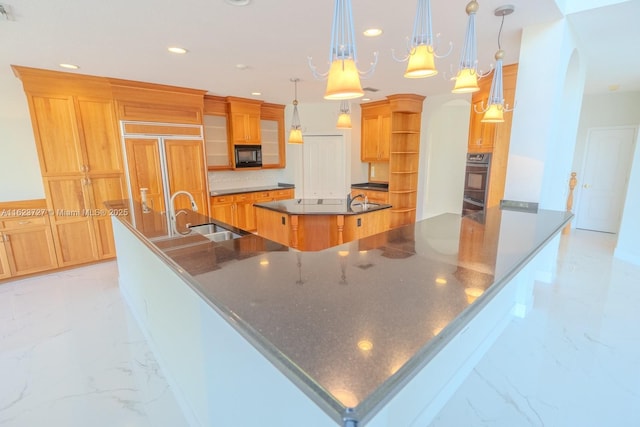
(376, 131)
(272, 132)
(216, 133)
(244, 120)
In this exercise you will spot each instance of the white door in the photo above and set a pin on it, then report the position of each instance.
(603, 185)
(324, 167)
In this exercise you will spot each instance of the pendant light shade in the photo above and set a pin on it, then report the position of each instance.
(495, 109)
(421, 48)
(295, 134)
(343, 81)
(344, 118)
(467, 76)
(343, 78)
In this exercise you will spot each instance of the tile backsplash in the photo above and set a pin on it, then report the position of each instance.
(227, 180)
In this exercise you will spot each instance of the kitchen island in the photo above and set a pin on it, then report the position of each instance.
(375, 332)
(314, 224)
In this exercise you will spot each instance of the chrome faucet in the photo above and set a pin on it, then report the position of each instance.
(351, 199)
(172, 210)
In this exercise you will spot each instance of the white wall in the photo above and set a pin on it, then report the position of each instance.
(443, 149)
(548, 98)
(628, 248)
(19, 167)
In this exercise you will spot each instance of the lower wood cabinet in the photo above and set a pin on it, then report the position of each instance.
(238, 210)
(26, 240)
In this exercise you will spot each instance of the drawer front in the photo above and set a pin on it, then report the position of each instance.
(283, 194)
(244, 197)
(24, 222)
(218, 200)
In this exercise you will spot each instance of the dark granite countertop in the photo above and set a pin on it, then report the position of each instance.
(321, 206)
(402, 293)
(375, 186)
(278, 186)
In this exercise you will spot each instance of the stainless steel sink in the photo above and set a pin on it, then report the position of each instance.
(361, 207)
(214, 232)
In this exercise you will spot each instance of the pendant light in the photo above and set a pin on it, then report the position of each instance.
(343, 80)
(421, 50)
(344, 116)
(295, 135)
(495, 109)
(467, 77)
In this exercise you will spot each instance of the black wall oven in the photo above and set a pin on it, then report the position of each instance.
(476, 182)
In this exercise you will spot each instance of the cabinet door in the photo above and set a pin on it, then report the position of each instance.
(72, 227)
(143, 162)
(30, 250)
(384, 137)
(245, 128)
(100, 136)
(55, 125)
(186, 171)
(4, 262)
(246, 216)
(272, 144)
(216, 142)
(103, 188)
(481, 135)
(370, 132)
(223, 212)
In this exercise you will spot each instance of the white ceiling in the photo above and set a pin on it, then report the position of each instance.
(128, 39)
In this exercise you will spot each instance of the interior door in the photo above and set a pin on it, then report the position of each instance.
(604, 178)
(324, 167)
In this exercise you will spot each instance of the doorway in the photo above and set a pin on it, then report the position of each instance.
(324, 163)
(605, 173)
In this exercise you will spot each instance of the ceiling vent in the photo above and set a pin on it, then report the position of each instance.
(237, 2)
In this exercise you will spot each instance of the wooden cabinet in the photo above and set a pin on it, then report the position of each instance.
(376, 131)
(244, 120)
(216, 134)
(394, 125)
(75, 128)
(238, 209)
(272, 133)
(493, 137)
(26, 241)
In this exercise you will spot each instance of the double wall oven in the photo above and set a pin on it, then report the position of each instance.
(476, 182)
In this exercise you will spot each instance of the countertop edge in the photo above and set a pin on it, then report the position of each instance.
(378, 207)
(279, 186)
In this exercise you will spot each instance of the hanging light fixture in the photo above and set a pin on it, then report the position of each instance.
(344, 116)
(343, 77)
(467, 77)
(421, 47)
(295, 135)
(495, 109)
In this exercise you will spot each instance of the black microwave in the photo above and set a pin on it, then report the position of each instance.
(248, 156)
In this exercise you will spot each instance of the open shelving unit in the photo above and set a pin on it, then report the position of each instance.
(404, 157)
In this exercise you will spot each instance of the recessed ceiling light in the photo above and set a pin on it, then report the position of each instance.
(178, 50)
(69, 66)
(372, 32)
(256, 93)
(237, 2)
(613, 88)
(242, 66)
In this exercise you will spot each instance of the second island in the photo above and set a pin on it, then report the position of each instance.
(316, 224)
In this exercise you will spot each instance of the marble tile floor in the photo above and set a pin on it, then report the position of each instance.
(574, 360)
(72, 355)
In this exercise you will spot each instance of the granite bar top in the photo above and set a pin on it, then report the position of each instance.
(351, 324)
(321, 207)
(278, 186)
(375, 186)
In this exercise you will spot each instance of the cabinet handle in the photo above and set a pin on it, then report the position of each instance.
(24, 222)
(5, 237)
